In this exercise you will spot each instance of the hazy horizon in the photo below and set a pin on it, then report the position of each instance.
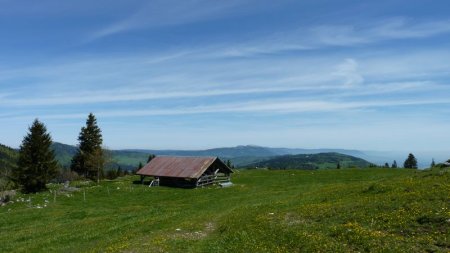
(202, 74)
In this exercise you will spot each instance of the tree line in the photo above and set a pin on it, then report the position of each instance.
(37, 163)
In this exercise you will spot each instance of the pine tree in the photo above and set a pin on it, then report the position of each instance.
(119, 171)
(89, 159)
(338, 166)
(386, 165)
(433, 164)
(150, 157)
(394, 164)
(410, 162)
(36, 164)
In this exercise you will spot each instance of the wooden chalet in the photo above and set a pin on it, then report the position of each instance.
(189, 172)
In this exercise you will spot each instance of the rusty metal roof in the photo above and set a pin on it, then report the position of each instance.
(178, 166)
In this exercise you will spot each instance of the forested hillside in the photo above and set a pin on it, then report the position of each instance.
(8, 160)
(313, 161)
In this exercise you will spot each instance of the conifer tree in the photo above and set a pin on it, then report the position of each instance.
(229, 164)
(36, 164)
(410, 162)
(433, 164)
(150, 157)
(386, 165)
(89, 159)
(394, 164)
(338, 166)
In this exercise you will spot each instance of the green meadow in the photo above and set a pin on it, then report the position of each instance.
(349, 210)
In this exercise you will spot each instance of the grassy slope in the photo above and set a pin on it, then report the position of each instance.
(265, 211)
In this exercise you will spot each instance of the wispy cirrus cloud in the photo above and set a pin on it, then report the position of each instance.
(283, 106)
(349, 71)
(106, 96)
(388, 29)
(183, 76)
(317, 37)
(157, 13)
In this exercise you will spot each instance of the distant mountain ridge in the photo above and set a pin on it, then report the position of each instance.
(247, 150)
(240, 156)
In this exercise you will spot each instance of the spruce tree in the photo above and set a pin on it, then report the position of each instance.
(338, 166)
(394, 164)
(386, 165)
(36, 164)
(229, 164)
(410, 162)
(433, 164)
(150, 157)
(89, 159)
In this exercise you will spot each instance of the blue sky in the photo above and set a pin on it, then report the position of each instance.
(192, 74)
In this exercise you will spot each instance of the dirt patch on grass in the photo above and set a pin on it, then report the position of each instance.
(194, 235)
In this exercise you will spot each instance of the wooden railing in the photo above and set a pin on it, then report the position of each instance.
(212, 179)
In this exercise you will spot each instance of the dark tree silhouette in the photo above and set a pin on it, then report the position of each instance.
(36, 164)
(394, 165)
(229, 164)
(89, 159)
(410, 162)
(150, 157)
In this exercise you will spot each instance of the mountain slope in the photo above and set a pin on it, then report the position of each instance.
(8, 162)
(312, 161)
(64, 153)
(126, 159)
(8, 157)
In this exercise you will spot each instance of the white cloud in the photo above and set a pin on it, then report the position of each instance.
(157, 13)
(389, 29)
(256, 106)
(348, 70)
(345, 35)
(182, 75)
(140, 94)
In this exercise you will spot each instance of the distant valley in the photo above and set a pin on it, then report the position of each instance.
(240, 156)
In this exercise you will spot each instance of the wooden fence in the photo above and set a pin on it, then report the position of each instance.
(212, 179)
